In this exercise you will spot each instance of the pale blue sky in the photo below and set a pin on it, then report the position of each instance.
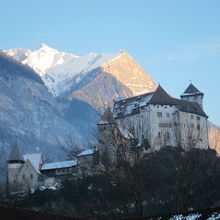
(174, 40)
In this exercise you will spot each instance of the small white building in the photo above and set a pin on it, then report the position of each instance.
(29, 171)
(159, 119)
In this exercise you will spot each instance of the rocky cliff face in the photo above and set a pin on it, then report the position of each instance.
(120, 77)
(214, 137)
(130, 74)
(29, 111)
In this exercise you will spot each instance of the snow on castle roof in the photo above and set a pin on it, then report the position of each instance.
(131, 105)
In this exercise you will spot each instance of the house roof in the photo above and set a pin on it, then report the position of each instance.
(14, 213)
(205, 214)
(86, 152)
(59, 165)
(191, 90)
(15, 153)
(35, 159)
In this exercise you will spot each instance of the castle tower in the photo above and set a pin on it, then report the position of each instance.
(192, 94)
(15, 163)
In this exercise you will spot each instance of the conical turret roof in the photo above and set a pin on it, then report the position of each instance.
(15, 154)
(191, 90)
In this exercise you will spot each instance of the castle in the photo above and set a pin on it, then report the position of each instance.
(147, 122)
(154, 120)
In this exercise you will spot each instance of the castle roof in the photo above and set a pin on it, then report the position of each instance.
(187, 106)
(15, 154)
(191, 90)
(132, 105)
(160, 96)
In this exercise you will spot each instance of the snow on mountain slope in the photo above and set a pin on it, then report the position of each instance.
(56, 67)
(63, 72)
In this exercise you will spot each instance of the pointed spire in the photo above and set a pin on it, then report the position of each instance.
(160, 96)
(15, 154)
(191, 90)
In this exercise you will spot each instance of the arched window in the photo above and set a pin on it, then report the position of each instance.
(31, 176)
(23, 177)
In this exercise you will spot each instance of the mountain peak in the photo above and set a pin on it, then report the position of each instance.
(45, 47)
(42, 45)
(122, 51)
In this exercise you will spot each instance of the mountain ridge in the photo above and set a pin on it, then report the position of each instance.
(58, 68)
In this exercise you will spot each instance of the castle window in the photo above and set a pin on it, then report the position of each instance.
(192, 116)
(198, 127)
(31, 176)
(23, 177)
(168, 115)
(198, 118)
(159, 114)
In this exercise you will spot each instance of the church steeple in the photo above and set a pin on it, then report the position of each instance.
(192, 94)
(15, 155)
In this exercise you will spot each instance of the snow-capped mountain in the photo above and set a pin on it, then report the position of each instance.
(66, 74)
